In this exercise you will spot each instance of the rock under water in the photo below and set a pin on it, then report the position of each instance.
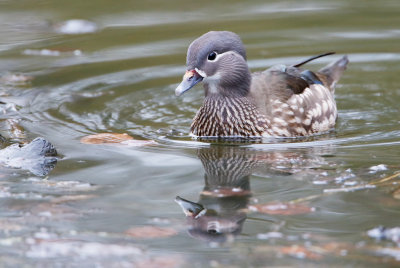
(39, 156)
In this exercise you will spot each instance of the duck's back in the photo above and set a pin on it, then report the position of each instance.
(295, 102)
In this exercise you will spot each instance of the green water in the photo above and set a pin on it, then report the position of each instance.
(121, 78)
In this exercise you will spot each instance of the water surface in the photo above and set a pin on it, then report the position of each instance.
(121, 78)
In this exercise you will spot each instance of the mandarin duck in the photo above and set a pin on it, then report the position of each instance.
(282, 101)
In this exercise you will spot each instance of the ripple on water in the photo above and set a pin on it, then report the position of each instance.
(121, 79)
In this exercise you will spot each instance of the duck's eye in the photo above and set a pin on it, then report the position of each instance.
(212, 56)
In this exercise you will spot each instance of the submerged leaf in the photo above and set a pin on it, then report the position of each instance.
(6, 225)
(278, 208)
(115, 138)
(150, 232)
(106, 138)
(396, 193)
(71, 198)
(161, 261)
(300, 252)
(16, 79)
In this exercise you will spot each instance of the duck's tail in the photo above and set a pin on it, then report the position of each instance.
(332, 72)
(312, 58)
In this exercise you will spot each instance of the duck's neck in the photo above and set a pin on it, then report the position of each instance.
(222, 116)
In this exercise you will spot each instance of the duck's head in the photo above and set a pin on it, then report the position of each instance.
(218, 59)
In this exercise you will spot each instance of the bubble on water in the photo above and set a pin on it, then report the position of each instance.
(377, 168)
(46, 214)
(77, 52)
(350, 183)
(63, 248)
(41, 52)
(49, 53)
(344, 177)
(270, 235)
(382, 233)
(320, 182)
(76, 26)
(393, 252)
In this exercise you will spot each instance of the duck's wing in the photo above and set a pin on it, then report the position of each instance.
(280, 83)
(297, 102)
(284, 81)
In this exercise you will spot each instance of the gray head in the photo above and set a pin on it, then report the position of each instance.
(217, 58)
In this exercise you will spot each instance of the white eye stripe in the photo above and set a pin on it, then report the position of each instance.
(200, 72)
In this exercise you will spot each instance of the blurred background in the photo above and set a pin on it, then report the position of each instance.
(69, 69)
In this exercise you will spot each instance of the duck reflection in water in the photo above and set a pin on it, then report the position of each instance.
(220, 213)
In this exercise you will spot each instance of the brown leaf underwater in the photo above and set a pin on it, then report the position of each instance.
(279, 208)
(150, 232)
(115, 138)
